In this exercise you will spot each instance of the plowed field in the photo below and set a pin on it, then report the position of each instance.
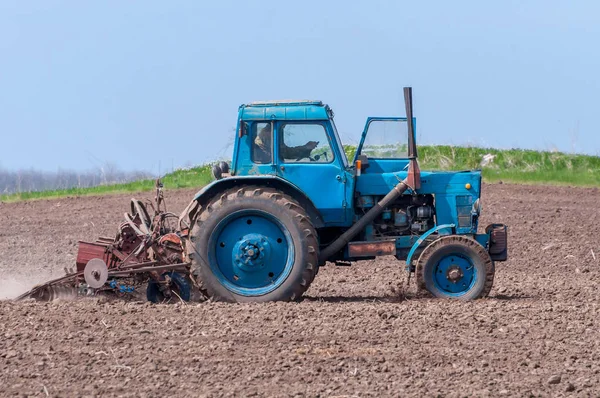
(359, 332)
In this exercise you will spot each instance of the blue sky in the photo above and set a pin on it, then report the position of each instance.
(136, 83)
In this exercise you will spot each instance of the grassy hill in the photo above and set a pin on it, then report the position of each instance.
(512, 165)
(515, 165)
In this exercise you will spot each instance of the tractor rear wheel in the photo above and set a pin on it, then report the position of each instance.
(455, 267)
(254, 244)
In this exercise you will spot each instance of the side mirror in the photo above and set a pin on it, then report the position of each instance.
(219, 169)
(242, 129)
(224, 167)
(217, 172)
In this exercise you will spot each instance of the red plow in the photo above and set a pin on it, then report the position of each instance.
(146, 250)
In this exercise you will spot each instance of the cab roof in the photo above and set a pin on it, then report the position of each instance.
(284, 102)
(285, 110)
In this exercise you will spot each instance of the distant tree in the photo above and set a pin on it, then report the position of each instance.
(36, 180)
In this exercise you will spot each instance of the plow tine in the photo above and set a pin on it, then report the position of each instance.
(49, 287)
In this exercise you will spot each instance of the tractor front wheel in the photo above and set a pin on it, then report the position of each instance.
(254, 244)
(455, 267)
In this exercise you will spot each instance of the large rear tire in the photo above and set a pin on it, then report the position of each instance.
(254, 244)
(456, 267)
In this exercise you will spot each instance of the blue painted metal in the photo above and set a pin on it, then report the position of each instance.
(400, 219)
(281, 110)
(218, 186)
(447, 186)
(365, 201)
(406, 242)
(483, 239)
(328, 186)
(251, 252)
(323, 183)
(121, 288)
(458, 287)
(422, 239)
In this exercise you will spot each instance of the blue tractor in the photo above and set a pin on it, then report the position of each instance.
(291, 201)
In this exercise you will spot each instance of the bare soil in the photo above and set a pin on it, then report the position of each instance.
(359, 332)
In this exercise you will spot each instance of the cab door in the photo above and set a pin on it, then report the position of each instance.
(306, 158)
(385, 142)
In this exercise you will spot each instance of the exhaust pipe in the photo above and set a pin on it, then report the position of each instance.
(414, 173)
(412, 147)
(376, 210)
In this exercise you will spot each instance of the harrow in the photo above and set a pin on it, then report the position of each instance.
(145, 250)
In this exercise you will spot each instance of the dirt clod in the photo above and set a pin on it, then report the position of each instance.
(554, 379)
(570, 387)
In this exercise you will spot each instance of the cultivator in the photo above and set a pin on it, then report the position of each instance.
(145, 250)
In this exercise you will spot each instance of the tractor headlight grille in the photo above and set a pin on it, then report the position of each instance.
(477, 207)
(464, 205)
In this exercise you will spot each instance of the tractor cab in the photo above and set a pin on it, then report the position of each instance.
(272, 134)
(297, 142)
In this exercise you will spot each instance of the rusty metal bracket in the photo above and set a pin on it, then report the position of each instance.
(372, 248)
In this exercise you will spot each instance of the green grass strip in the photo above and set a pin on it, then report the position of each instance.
(512, 165)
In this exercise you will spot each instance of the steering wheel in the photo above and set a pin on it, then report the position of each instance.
(317, 157)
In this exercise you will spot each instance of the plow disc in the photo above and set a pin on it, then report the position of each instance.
(95, 273)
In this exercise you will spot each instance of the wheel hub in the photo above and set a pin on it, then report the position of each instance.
(251, 252)
(454, 273)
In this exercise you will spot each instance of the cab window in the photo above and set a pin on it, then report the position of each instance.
(386, 139)
(303, 143)
(261, 136)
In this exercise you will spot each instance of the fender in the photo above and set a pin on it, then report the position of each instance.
(421, 239)
(218, 186)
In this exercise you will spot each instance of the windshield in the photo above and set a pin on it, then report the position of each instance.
(339, 144)
(386, 139)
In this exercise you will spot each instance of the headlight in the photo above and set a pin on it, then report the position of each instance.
(477, 206)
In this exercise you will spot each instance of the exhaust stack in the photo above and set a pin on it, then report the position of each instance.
(414, 173)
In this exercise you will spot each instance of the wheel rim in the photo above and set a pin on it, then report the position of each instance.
(251, 252)
(454, 275)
